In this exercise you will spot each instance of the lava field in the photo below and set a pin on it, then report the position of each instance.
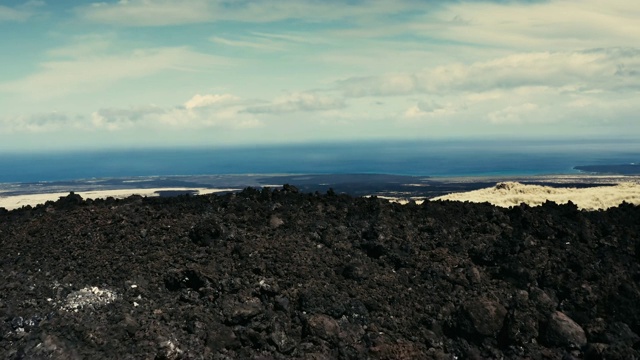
(280, 274)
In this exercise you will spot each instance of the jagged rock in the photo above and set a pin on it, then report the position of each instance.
(323, 326)
(482, 316)
(70, 200)
(290, 188)
(522, 328)
(341, 277)
(205, 233)
(563, 331)
(243, 313)
(275, 221)
(620, 332)
(283, 342)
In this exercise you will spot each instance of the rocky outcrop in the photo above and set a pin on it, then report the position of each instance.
(283, 274)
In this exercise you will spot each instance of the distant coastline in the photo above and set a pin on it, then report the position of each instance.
(390, 169)
(400, 187)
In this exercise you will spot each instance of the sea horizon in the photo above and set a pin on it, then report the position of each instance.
(411, 158)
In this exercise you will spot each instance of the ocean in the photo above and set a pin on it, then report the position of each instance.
(421, 158)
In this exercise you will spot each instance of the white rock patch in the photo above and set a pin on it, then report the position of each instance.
(508, 194)
(88, 296)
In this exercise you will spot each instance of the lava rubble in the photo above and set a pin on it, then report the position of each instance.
(280, 274)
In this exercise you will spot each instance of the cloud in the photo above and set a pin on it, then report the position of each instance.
(9, 14)
(198, 100)
(391, 84)
(212, 110)
(292, 37)
(532, 111)
(84, 46)
(199, 112)
(298, 102)
(38, 123)
(266, 45)
(270, 41)
(118, 119)
(91, 72)
(609, 69)
(456, 66)
(476, 31)
(429, 109)
(147, 12)
(139, 13)
(19, 13)
(513, 114)
(549, 25)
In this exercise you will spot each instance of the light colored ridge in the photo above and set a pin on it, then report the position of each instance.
(17, 201)
(506, 194)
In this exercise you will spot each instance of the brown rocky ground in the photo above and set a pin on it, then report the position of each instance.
(279, 274)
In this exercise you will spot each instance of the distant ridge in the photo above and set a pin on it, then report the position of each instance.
(506, 194)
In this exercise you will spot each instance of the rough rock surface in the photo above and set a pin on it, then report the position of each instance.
(280, 274)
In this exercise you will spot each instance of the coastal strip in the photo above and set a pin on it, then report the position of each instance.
(18, 201)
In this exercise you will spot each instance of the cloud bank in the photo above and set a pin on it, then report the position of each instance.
(611, 69)
(83, 73)
(325, 69)
(298, 102)
(141, 13)
(19, 13)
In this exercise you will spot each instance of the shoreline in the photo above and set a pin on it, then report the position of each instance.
(395, 188)
(17, 201)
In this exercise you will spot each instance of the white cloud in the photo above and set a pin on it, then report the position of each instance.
(198, 100)
(548, 25)
(212, 110)
(119, 119)
(454, 66)
(292, 37)
(38, 123)
(174, 12)
(224, 111)
(271, 42)
(9, 14)
(199, 112)
(147, 12)
(299, 102)
(513, 114)
(391, 84)
(84, 46)
(589, 70)
(540, 110)
(19, 13)
(477, 31)
(429, 110)
(266, 45)
(88, 73)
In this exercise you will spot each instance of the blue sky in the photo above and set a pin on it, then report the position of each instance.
(136, 73)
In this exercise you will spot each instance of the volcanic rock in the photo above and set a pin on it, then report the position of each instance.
(280, 274)
(564, 331)
(483, 316)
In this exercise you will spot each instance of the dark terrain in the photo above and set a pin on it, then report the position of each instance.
(279, 274)
(383, 185)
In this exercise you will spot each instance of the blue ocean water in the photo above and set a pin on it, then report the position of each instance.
(422, 158)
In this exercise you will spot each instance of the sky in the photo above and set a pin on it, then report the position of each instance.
(166, 73)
